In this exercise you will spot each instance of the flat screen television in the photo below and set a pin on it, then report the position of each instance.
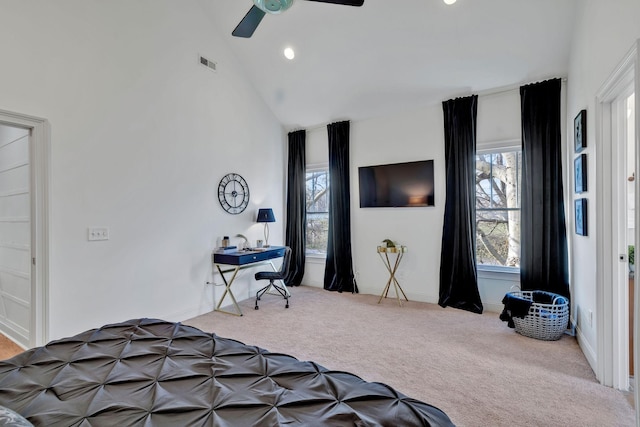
(408, 184)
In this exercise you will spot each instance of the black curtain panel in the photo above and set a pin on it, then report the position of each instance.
(458, 275)
(543, 257)
(295, 233)
(338, 272)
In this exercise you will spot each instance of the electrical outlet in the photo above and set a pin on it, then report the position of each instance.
(590, 318)
(98, 233)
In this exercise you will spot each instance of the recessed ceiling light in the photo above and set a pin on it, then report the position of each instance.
(289, 53)
(449, 1)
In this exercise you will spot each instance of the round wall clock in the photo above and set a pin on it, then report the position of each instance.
(233, 193)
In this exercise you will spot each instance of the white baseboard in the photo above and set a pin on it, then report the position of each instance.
(587, 350)
(13, 339)
(16, 334)
(424, 297)
(493, 307)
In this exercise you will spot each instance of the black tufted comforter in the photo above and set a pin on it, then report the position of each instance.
(148, 372)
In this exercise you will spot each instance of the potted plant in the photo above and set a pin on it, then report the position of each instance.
(632, 258)
(388, 245)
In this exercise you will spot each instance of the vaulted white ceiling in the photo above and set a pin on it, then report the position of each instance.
(391, 56)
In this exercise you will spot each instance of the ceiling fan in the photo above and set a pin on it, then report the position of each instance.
(250, 22)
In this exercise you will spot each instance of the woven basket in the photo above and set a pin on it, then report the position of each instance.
(544, 321)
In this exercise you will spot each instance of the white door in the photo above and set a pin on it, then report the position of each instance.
(623, 230)
(15, 234)
(628, 286)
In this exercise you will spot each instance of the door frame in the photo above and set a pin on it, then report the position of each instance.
(39, 158)
(612, 314)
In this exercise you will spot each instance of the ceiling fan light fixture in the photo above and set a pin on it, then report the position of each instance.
(449, 1)
(273, 6)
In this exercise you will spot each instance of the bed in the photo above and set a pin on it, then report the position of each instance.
(150, 372)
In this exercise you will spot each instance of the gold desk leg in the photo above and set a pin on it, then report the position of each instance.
(227, 289)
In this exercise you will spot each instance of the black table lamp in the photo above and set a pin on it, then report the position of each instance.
(266, 215)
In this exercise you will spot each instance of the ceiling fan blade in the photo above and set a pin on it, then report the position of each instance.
(344, 2)
(249, 23)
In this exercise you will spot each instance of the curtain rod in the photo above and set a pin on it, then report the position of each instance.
(317, 127)
(320, 126)
(503, 89)
(487, 92)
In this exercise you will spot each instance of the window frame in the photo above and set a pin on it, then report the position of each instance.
(492, 147)
(311, 168)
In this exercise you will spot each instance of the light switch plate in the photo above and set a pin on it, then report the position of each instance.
(98, 233)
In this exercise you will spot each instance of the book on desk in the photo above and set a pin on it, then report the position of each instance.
(231, 249)
(227, 249)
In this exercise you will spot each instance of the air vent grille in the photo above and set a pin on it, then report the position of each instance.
(208, 63)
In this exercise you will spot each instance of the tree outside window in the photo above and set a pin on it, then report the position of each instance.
(317, 205)
(498, 180)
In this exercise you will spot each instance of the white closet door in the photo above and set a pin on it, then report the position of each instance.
(15, 233)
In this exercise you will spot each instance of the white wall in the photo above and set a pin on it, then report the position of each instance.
(413, 136)
(605, 32)
(416, 135)
(141, 134)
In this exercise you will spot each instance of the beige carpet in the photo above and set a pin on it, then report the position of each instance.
(473, 367)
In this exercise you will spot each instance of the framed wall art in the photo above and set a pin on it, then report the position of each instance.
(580, 173)
(581, 217)
(580, 130)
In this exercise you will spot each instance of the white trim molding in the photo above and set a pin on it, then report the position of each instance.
(611, 367)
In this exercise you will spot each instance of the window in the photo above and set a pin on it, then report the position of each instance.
(317, 203)
(498, 180)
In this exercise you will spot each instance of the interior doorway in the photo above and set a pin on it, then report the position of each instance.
(622, 231)
(24, 219)
(617, 163)
(617, 316)
(15, 233)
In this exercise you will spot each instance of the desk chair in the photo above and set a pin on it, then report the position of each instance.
(271, 276)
